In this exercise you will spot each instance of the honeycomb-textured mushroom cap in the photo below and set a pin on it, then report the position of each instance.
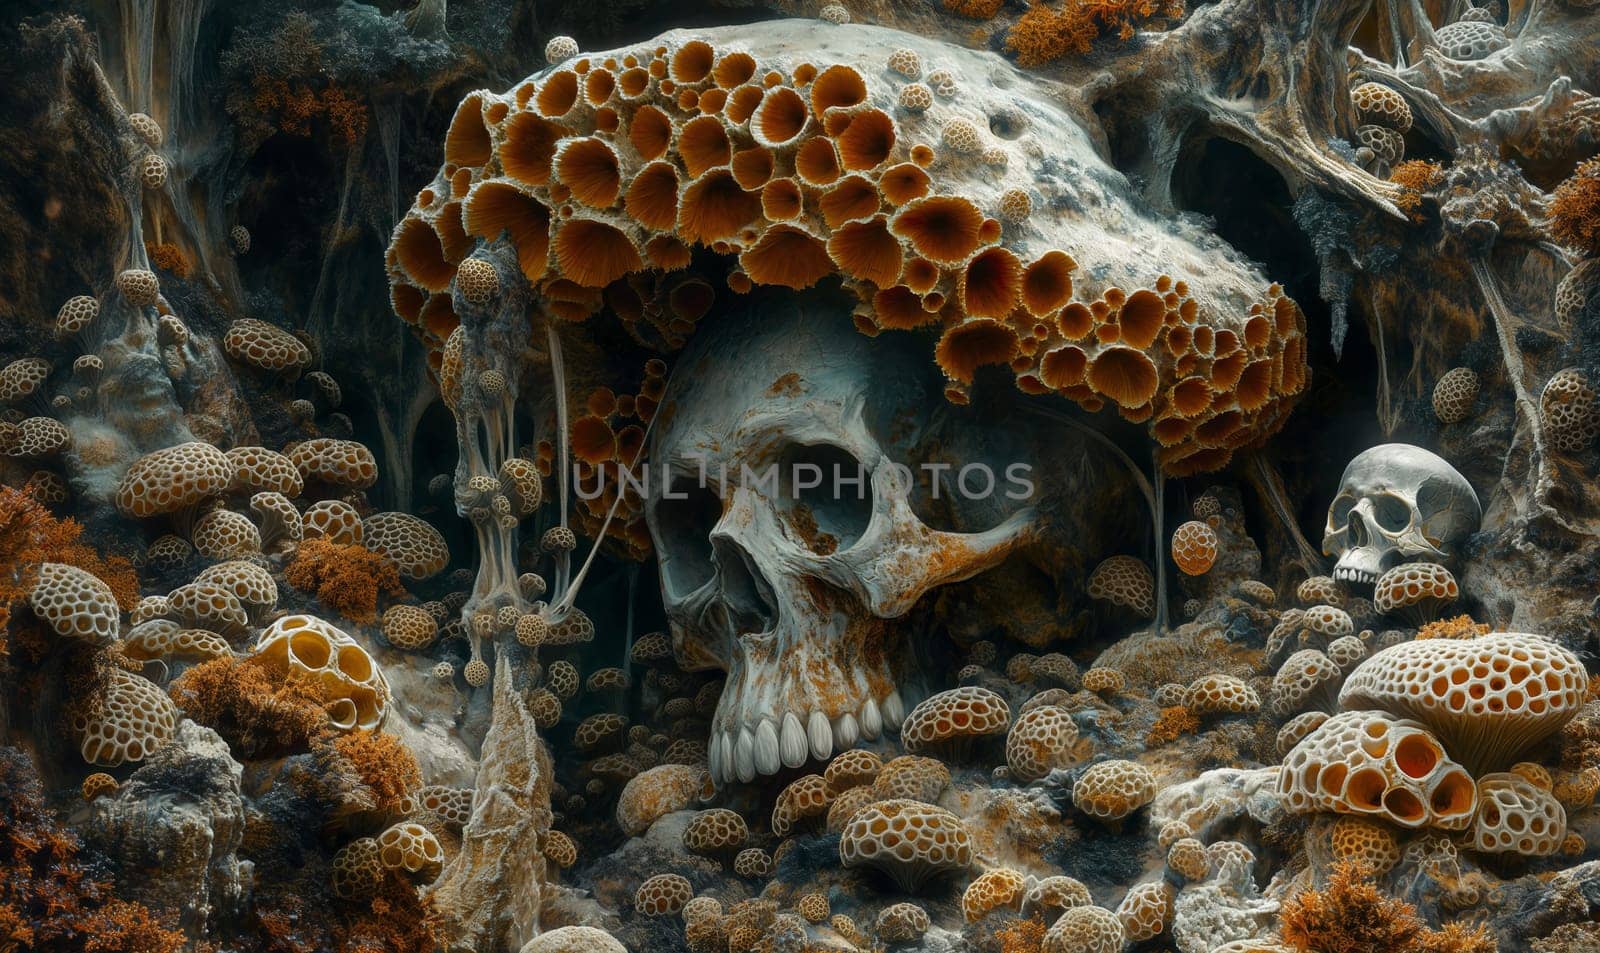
(1103, 680)
(1194, 548)
(814, 907)
(333, 520)
(1328, 621)
(280, 522)
(1217, 694)
(912, 777)
(308, 647)
(998, 889)
(1379, 105)
(562, 679)
(1454, 395)
(1306, 678)
(851, 769)
(716, 831)
(752, 862)
(357, 869)
(251, 584)
(1319, 590)
(659, 791)
(1369, 763)
(265, 346)
(75, 604)
(575, 939)
(173, 478)
(36, 437)
(846, 805)
(339, 463)
(1042, 740)
(901, 923)
(1489, 698)
(1370, 844)
(257, 469)
(1570, 411)
(1187, 858)
(560, 49)
(1469, 40)
(477, 280)
(1145, 910)
(1415, 589)
(409, 627)
(1577, 291)
(164, 639)
(1050, 896)
(147, 129)
(560, 849)
(955, 717)
(412, 849)
(77, 313)
(224, 534)
(98, 785)
(412, 544)
(1085, 930)
(599, 730)
(129, 719)
(662, 895)
(1515, 815)
(805, 798)
(1111, 790)
(22, 378)
(1295, 729)
(476, 672)
(910, 841)
(1124, 581)
(138, 287)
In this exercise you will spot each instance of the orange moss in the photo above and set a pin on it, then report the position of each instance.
(1575, 209)
(1173, 723)
(168, 257)
(245, 703)
(397, 920)
(1021, 936)
(1416, 176)
(30, 535)
(383, 764)
(1353, 916)
(1460, 627)
(1045, 34)
(295, 109)
(347, 579)
(975, 9)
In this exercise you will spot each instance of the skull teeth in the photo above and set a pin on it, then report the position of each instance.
(1357, 576)
(747, 753)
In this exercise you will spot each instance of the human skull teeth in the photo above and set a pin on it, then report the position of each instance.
(1346, 574)
(745, 753)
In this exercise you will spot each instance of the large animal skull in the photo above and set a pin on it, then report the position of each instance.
(792, 588)
(1396, 504)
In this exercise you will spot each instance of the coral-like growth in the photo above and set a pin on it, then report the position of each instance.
(348, 579)
(1045, 33)
(1353, 916)
(1575, 209)
(383, 764)
(252, 710)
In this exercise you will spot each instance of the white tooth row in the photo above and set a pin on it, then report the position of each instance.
(769, 747)
(1355, 575)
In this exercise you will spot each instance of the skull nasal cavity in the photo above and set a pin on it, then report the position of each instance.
(746, 594)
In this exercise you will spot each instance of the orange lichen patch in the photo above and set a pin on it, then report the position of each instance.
(781, 200)
(495, 207)
(652, 198)
(703, 144)
(1141, 318)
(1123, 374)
(942, 228)
(752, 168)
(817, 162)
(837, 86)
(855, 197)
(970, 345)
(467, 143)
(904, 183)
(593, 441)
(788, 256)
(590, 168)
(558, 94)
(780, 118)
(650, 132)
(867, 251)
(692, 62)
(667, 253)
(868, 141)
(898, 308)
(529, 147)
(418, 252)
(991, 284)
(1065, 366)
(593, 254)
(1047, 283)
(715, 207)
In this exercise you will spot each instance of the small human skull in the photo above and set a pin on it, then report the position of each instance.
(1396, 504)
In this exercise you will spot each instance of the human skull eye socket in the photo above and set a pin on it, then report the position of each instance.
(825, 495)
(1339, 512)
(684, 522)
(1390, 512)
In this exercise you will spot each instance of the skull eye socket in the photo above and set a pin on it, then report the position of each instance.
(683, 536)
(825, 495)
(1339, 512)
(1390, 512)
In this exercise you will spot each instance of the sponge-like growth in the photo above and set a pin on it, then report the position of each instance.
(251, 584)
(953, 719)
(338, 463)
(1306, 678)
(1050, 896)
(138, 287)
(902, 923)
(652, 794)
(999, 889)
(1145, 910)
(224, 534)
(911, 776)
(1085, 930)
(173, 478)
(409, 627)
(1111, 790)
(208, 605)
(1369, 763)
(411, 848)
(910, 841)
(1454, 394)
(303, 646)
(128, 720)
(1570, 411)
(265, 346)
(852, 769)
(257, 469)
(413, 545)
(1378, 105)
(1124, 581)
(1361, 841)
(1194, 548)
(1489, 698)
(21, 378)
(1217, 694)
(805, 797)
(333, 520)
(662, 895)
(358, 869)
(1415, 590)
(1041, 741)
(717, 831)
(1517, 816)
(75, 604)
